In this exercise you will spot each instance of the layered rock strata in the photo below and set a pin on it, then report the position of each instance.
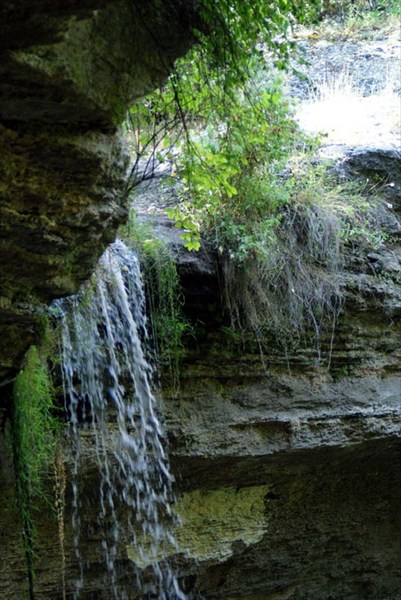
(287, 466)
(320, 430)
(68, 72)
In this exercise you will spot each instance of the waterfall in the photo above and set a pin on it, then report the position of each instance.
(108, 397)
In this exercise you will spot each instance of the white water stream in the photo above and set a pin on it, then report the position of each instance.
(108, 392)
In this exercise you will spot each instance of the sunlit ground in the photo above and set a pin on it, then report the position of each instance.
(339, 112)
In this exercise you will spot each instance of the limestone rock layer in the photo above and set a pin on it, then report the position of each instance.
(68, 71)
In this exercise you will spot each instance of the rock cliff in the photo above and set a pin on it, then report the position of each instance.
(287, 466)
(321, 435)
(68, 72)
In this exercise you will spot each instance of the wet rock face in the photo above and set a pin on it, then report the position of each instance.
(324, 441)
(331, 530)
(316, 431)
(287, 469)
(320, 430)
(68, 71)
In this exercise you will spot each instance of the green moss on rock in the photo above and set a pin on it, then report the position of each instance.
(211, 522)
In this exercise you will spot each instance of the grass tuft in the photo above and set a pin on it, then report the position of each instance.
(289, 288)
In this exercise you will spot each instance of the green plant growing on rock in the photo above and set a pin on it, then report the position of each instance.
(165, 301)
(229, 135)
(359, 18)
(207, 90)
(279, 220)
(284, 271)
(34, 431)
(281, 231)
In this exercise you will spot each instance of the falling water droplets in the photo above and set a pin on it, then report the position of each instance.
(107, 389)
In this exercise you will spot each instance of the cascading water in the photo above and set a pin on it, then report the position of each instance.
(108, 392)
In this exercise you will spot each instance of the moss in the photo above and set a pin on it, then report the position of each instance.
(212, 521)
(162, 284)
(33, 442)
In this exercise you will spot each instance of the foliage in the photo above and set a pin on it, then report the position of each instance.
(208, 85)
(284, 273)
(234, 29)
(229, 136)
(280, 224)
(281, 232)
(33, 439)
(359, 17)
(163, 292)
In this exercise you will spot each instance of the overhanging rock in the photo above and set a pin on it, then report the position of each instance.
(68, 72)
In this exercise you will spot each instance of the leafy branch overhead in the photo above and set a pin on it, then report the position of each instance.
(226, 131)
(204, 87)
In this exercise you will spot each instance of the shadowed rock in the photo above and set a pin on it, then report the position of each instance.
(68, 71)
